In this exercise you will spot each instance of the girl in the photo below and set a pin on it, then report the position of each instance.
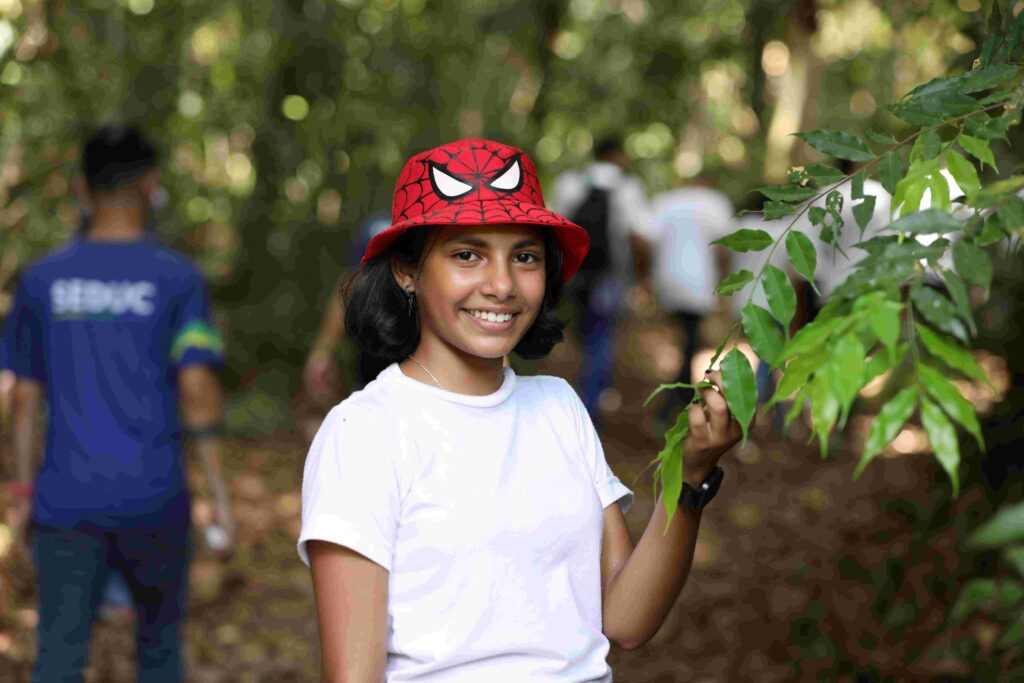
(460, 522)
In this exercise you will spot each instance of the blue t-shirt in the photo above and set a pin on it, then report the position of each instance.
(105, 326)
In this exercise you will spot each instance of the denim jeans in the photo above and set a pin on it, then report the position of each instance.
(73, 567)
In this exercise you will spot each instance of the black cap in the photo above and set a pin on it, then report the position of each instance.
(114, 156)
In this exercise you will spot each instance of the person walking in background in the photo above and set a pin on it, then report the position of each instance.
(684, 221)
(320, 371)
(611, 205)
(113, 330)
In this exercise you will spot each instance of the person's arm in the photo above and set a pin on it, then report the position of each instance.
(640, 585)
(203, 415)
(27, 399)
(320, 373)
(351, 595)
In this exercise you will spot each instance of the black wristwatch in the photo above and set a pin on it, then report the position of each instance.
(698, 498)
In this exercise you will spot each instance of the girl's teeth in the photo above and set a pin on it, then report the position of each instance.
(493, 317)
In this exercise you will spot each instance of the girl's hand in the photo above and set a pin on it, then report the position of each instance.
(713, 431)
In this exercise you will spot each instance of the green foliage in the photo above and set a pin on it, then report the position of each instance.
(740, 388)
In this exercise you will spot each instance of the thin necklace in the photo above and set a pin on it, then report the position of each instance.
(413, 359)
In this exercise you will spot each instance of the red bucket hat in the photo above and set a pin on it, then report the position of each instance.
(476, 182)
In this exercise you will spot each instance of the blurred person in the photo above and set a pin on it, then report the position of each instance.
(611, 205)
(684, 222)
(461, 523)
(320, 371)
(113, 330)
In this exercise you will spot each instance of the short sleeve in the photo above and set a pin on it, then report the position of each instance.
(609, 488)
(22, 351)
(350, 487)
(196, 339)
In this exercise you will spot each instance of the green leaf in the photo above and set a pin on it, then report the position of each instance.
(942, 436)
(992, 128)
(986, 594)
(1007, 526)
(787, 193)
(1011, 216)
(764, 333)
(817, 215)
(795, 409)
(930, 143)
(972, 263)
(939, 311)
(734, 282)
(1014, 555)
(913, 113)
(837, 144)
(964, 173)
(978, 149)
(798, 371)
(882, 138)
(881, 363)
(676, 385)
(845, 372)
(1012, 635)
(857, 185)
(958, 292)
(886, 425)
(885, 324)
(802, 255)
(814, 334)
(744, 240)
(781, 297)
(740, 388)
(929, 221)
(977, 80)
(952, 401)
(995, 194)
(863, 212)
(992, 231)
(773, 210)
(824, 410)
(670, 467)
(890, 170)
(950, 353)
(939, 186)
(823, 175)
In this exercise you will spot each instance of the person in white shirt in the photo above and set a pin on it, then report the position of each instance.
(461, 522)
(684, 223)
(612, 206)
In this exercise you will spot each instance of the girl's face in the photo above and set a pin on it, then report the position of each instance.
(479, 288)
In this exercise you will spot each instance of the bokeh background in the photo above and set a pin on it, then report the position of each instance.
(283, 124)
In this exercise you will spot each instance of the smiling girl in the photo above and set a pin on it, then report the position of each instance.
(460, 521)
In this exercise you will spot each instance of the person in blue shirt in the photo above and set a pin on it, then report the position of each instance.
(113, 331)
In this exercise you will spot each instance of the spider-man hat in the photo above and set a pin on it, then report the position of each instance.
(476, 182)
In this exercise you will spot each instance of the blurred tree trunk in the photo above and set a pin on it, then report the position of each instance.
(796, 100)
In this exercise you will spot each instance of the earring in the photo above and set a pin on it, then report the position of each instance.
(410, 298)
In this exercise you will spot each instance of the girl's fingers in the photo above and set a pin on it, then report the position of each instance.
(718, 409)
(698, 422)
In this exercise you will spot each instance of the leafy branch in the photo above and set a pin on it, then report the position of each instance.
(859, 334)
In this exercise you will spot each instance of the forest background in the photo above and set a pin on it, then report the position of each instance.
(284, 124)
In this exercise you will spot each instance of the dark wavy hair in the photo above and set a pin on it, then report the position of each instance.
(377, 315)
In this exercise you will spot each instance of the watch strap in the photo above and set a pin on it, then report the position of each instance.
(698, 498)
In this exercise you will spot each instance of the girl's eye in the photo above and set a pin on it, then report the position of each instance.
(465, 256)
(527, 258)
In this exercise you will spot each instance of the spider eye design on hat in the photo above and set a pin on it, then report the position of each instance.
(451, 187)
(476, 182)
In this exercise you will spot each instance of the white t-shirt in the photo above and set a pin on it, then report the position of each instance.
(487, 511)
(684, 223)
